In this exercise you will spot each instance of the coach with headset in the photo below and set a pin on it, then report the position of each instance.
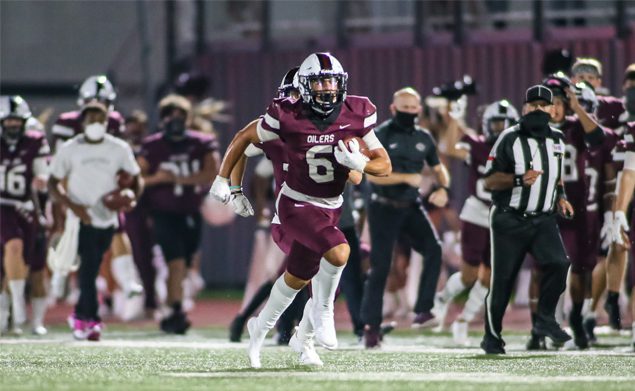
(524, 173)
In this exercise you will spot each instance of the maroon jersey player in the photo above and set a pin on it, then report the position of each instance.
(475, 241)
(313, 130)
(22, 158)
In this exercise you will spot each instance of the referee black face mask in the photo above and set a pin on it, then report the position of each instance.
(535, 123)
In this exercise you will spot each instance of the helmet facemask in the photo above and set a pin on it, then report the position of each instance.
(11, 134)
(325, 99)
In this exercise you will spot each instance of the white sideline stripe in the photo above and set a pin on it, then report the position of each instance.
(472, 377)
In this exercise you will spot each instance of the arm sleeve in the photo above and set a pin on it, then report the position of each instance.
(595, 138)
(432, 157)
(268, 127)
(499, 159)
(372, 141)
(128, 161)
(60, 166)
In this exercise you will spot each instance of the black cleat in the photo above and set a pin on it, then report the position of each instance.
(177, 323)
(386, 328)
(492, 345)
(536, 342)
(579, 335)
(551, 329)
(372, 337)
(589, 328)
(236, 328)
(612, 308)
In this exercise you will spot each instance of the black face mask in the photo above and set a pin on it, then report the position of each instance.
(405, 120)
(11, 134)
(629, 101)
(536, 123)
(174, 129)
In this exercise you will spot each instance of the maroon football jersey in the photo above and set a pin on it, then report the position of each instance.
(310, 141)
(597, 158)
(16, 165)
(183, 158)
(479, 150)
(69, 124)
(609, 111)
(626, 143)
(275, 151)
(575, 157)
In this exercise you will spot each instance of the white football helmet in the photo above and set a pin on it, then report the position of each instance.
(97, 87)
(289, 83)
(13, 106)
(501, 110)
(587, 97)
(320, 66)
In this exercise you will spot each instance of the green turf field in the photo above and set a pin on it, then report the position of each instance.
(146, 360)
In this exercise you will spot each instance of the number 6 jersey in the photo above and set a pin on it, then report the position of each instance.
(19, 165)
(314, 174)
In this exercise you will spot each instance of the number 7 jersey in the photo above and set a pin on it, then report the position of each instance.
(310, 141)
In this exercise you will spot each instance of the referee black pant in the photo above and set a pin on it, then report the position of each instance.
(93, 243)
(386, 223)
(512, 237)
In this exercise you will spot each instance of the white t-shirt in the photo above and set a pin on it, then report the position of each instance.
(91, 170)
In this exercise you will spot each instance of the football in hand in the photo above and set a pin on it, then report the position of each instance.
(363, 148)
(120, 200)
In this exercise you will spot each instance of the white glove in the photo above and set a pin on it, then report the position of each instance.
(220, 189)
(353, 159)
(606, 233)
(242, 206)
(619, 224)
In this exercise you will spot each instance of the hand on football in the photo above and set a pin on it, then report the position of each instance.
(351, 158)
(242, 206)
(220, 190)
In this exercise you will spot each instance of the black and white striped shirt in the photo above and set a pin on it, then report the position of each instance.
(517, 152)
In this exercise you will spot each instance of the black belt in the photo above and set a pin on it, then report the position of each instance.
(394, 203)
(508, 209)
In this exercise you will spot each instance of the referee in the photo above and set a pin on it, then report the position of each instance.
(524, 172)
(395, 208)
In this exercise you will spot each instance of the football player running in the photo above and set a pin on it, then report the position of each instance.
(314, 130)
(22, 163)
(475, 268)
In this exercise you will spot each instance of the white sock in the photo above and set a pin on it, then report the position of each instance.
(38, 310)
(327, 278)
(305, 328)
(475, 302)
(586, 307)
(280, 298)
(5, 307)
(18, 303)
(124, 272)
(452, 287)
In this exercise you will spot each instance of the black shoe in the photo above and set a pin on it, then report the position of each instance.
(536, 342)
(492, 345)
(177, 323)
(551, 329)
(372, 337)
(579, 335)
(386, 328)
(612, 308)
(236, 329)
(589, 328)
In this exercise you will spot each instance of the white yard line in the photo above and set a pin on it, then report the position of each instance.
(472, 377)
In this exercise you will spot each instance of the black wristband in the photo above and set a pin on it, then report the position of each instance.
(518, 180)
(447, 189)
(561, 193)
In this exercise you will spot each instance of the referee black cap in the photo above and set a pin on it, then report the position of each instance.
(538, 92)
